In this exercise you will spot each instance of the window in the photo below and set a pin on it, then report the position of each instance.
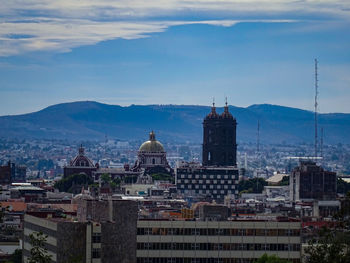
(96, 253)
(96, 237)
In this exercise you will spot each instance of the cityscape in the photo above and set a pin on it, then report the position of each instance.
(174, 131)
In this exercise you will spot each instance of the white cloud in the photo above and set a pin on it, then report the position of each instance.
(60, 25)
(62, 35)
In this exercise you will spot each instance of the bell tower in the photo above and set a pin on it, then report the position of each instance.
(219, 138)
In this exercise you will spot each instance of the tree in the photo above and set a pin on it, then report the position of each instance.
(38, 252)
(253, 185)
(333, 243)
(105, 178)
(270, 259)
(66, 184)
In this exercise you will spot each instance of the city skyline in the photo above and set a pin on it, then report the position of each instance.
(182, 52)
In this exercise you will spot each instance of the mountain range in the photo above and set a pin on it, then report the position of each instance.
(89, 120)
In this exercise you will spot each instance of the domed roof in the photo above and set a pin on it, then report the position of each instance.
(226, 114)
(152, 145)
(81, 160)
(212, 114)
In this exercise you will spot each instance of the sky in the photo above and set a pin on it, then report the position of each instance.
(174, 52)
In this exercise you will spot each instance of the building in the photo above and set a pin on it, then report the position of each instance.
(218, 176)
(81, 164)
(104, 230)
(212, 181)
(151, 157)
(12, 173)
(5, 173)
(216, 241)
(219, 138)
(310, 182)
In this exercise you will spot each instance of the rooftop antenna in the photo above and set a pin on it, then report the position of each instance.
(226, 101)
(316, 104)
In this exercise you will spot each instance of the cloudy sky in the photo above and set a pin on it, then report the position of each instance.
(174, 51)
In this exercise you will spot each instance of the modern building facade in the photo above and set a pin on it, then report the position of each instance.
(216, 241)
(213, 182)
(310, 182)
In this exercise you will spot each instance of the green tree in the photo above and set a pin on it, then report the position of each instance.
(105, 178)
(162, 177)
(333, 243)
(253, 185)
(65, 184)
(38, 252)
(270, 259)
(284, 181)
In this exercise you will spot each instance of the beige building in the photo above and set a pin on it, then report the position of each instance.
(219, 242)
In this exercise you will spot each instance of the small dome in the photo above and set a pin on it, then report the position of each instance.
(152, 145)
(212, 114)
(81, 160)
(226, 114)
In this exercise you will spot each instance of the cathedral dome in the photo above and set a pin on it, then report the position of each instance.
(152, 145)
(81, 160)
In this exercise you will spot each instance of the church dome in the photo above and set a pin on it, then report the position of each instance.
(81, 160)
(152, 145)
(213, 114)
(226, 114)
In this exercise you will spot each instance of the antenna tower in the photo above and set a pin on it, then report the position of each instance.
(258, 138)
(321, 146)
(316, 104)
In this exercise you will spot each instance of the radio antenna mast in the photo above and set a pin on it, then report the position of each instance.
(316, 104)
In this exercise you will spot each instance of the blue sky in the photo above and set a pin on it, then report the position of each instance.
(178, 52)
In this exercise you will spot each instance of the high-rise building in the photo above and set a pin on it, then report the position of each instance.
(219, 138)
(219, 175)
(308, 182)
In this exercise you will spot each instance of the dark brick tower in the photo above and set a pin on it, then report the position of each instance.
(219, 138)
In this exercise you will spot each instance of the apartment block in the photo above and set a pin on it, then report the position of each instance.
(216, 241)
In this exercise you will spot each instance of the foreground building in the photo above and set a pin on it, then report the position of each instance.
(104, 232)
(219, 242)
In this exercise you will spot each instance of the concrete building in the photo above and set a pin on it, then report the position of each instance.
(310, 182)
(219, 242)
(104, 232)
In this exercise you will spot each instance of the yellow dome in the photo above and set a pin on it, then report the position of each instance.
(152, 145)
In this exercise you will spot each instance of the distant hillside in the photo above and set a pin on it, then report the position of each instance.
(93, 120)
